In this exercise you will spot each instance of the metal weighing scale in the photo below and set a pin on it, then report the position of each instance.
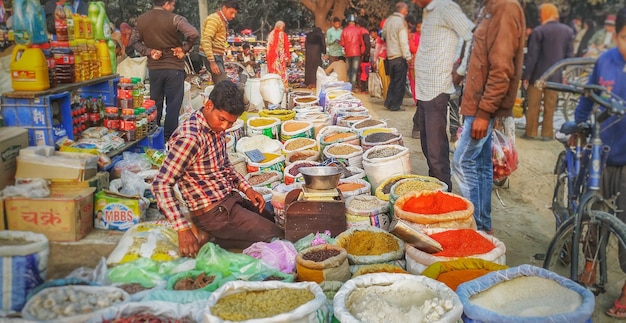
(310, 211)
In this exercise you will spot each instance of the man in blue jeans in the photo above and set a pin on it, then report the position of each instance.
(495, 68)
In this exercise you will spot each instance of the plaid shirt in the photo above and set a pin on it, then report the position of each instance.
(198, 162)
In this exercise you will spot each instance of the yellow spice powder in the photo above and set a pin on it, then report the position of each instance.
(367, 243)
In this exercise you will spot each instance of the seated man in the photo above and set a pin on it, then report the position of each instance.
(340, 67)
(248, 61)
(198, 162)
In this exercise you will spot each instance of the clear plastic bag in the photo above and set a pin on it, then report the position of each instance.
(504, 156)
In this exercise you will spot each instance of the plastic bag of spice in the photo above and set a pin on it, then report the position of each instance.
(348, 154)
(456, 244)
(435, 209)
(323, 262)
(195, 280)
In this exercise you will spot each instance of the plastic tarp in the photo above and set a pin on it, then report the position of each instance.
(476, 313)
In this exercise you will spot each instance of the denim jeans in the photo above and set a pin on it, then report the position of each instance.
(354, 63)
(473, 170)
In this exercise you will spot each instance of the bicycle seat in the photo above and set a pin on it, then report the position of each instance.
(571, 127)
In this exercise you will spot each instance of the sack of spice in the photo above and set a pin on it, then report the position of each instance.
(269, 127)
(348, 154)
(296, 129)
(349, 120)
(368, 245)
(268, 178)
(292, 173)
(416, 184)
(320, 120)
(456, 244)
(298, 144)
(238, 160)
(455, 272)
(323, 262)
(366, 210)
(435, 209)
(280, 114)
(308, 155)
(354, 187)
(378, 268)
(380, 136)
(384, 189)
(334, 134)
(384, 161)
(347, 111)
(271, 162)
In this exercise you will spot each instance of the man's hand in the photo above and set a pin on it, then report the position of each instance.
(214, 68)
(188, 245)
(155, 54)
(178, 52)
(479, 128)
(525, 84)
(256, 198)
(456, 78)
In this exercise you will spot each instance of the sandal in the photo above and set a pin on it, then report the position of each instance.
(618, 311)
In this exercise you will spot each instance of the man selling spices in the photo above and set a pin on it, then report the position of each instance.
(197, 161)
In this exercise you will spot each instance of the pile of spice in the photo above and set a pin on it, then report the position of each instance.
(295, 168)
(365, 204)
(383, 152)
(293, 126)
(191, 283)
(261, 122)
(367, 123)
(342, 150)
(434, 203)
(301, 155)
(370, 243)
(338, 136)
(462, 243)
(380, 137)
(349, 187)
(320, 255)
(298, 143)
(353, 118)
(416, 185)
(258, 304)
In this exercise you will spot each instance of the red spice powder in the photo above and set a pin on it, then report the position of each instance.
(434, 203)
(461, 243)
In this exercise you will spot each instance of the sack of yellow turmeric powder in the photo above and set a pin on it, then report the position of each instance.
(370, 245)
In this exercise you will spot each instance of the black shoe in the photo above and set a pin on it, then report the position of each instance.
(415, 134)
(397, 109)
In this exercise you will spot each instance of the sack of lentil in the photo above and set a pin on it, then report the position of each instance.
(271, 162)
(435, 209)
(381, 137)
(296, 129)
(335, 134)
(297, 144)
(239, 162)
(353, 187)
(455, 272)
(305, 100)
(347, 111)
(417, 184)
(348, 154)
(396, 297)
(525, 294)
(323, 262)
(306, 109)
(320, 120)
(456, 244)
(378, 268)
(308, 154)
(280, 114)
(260, 142)
(267, 178)
(336, 91)
(292, 95)
(265, 126)
(367, 210)
(384, 189)
(237, 130)
(271, 301)
(356, 173)
(384, 161)
(349, 120)
(364, 125)
(292, 173)
(368, 245)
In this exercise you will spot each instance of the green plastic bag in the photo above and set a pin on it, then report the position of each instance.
(147, 272)
(212, 259)
(217, 278)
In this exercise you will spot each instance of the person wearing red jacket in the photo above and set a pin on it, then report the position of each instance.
(354, 47)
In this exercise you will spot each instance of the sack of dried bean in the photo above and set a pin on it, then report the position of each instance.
(356, 173)
(372, 124)
(335, 134)
(381, 136)
(296, 129)
(348, 154)
(417, 184)
(354, 187)
(269, 127)
(268, 178)
(271, 301)
(239, 162)
(292, 174)
(323, 262)
(435, 209)
(339, 111)
(384, 189)
(456, 244)
(308, 154)
(149, 311)
(367, 210)
(297, 144)
(320, 120)
(384, 161)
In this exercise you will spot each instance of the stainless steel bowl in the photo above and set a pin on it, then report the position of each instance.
(320, 177)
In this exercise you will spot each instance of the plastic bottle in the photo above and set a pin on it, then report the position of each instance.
(64, 62)
(127, 124)
(29, 70)
(85, 71)
(87, 27)
(69, 17)
(60, 23)
(78, 61)
(29, 23)
(99, 20)
(50, 64)
(112, 55)
(136, 94)
(102, 52)
(138, 124)
(111, 118)
(93, 58)
(144, 121)
(78, 27)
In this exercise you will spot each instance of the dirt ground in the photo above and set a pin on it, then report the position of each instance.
(521, 217)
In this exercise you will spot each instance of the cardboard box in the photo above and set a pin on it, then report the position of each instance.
(115, 211)
(99, 182)
(12, 139)
(42, 162)
(66, 215)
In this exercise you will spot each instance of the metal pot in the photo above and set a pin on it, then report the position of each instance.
(320, 177)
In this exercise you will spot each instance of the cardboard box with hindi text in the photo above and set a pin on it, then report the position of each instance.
(65, 215)
(12, 139)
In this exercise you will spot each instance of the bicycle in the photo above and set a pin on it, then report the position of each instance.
(587, 233)
(578, 74)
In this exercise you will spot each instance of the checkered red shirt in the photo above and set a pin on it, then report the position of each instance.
(198, 162)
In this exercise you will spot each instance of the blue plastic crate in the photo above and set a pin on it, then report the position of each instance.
(47, 118)
(107, 90)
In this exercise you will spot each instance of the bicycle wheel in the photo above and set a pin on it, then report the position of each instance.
(561, 189)
(601, 237)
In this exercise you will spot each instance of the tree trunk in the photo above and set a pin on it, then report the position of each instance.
(321, 8)
(203, 12)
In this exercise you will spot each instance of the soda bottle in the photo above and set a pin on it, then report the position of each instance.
(60, 22)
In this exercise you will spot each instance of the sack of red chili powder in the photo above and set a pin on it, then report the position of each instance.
(457, 244)
(435, 209)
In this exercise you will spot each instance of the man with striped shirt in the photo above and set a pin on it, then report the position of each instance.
(213, 41)
(198, 163)
(444, 25)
